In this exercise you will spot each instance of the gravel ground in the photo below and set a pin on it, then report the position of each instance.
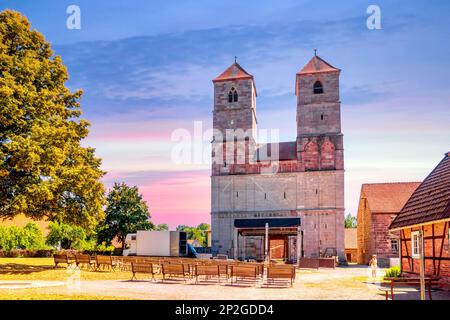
(346, 283)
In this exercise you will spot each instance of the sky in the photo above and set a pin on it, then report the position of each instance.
(146, 69)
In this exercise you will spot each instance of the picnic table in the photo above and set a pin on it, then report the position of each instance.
(429, 282)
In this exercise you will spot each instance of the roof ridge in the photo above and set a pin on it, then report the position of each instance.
(394, 182)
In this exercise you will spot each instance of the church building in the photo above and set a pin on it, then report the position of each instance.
(278, 200)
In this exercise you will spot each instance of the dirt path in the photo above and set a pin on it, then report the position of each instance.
(341, 283)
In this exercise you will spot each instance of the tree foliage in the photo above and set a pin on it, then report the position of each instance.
(198, 232)
(162, 227)
(68, 237)
(44, 170)
(29, 237)
(126, 212)
(350, 221)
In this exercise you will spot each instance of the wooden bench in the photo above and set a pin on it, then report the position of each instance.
(207, 271)
(243, 271)
(142, 268)
(429, 282)
(106, 262)
(84, 259)
(173, 269)
(281, 272)
(61, 258)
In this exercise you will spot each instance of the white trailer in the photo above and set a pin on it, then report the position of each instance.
(156, 243)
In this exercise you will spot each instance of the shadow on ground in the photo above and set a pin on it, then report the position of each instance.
(17, 268)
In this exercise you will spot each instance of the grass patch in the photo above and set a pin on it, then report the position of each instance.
(44, 294)
(43, 269)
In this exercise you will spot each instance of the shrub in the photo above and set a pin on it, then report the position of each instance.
(15, 238)
(67, 236)
(393, 272)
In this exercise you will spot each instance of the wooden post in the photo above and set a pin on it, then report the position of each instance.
(299, 244)
(422, 263)
(235, 240)
(266, 243)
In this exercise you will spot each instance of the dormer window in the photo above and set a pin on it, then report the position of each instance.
(232, 95)
(318, 88)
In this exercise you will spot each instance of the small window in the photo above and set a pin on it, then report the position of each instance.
(394, 245)
(284, 195)
(318, 88)
(321, 116)
(415, 238)
(237, 194)
(232, 95)
(133, 238)
(265, 195)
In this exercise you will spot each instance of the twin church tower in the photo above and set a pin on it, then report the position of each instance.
(278, 200)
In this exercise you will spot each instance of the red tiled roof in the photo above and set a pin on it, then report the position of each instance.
(388, 197)
(286, 151)
(235, 71)
(317, 64)
(430, 201)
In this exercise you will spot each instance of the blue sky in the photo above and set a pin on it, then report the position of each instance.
(146, 69)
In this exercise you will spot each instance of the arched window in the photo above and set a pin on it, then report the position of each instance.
(232, 95)
(318, 88)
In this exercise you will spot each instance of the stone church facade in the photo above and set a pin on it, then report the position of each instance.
(284, 200)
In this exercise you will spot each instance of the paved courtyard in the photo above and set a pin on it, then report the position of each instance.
(345, 283)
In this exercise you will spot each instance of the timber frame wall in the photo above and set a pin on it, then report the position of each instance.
(437, 251)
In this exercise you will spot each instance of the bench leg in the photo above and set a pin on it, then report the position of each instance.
(134, 276)
(392, 291)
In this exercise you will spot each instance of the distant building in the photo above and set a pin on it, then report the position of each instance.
(427, 211)
(351, 244)
(379, 204)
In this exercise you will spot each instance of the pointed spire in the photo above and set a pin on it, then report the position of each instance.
(235, 71)
(317, 64)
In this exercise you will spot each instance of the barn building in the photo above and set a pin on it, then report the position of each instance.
(279, 200)
(425, 218)
(379, 204)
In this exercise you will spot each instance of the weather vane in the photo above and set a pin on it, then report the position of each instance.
(315, 52)
(235, 59)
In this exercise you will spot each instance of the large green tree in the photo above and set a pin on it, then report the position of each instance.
(44, 170)
(126, 212)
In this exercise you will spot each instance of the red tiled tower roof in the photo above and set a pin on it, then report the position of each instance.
(314, 66)
(317, 64)
(235, 71)
(431, 200)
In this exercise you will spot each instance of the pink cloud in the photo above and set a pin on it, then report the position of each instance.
(173, 197)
